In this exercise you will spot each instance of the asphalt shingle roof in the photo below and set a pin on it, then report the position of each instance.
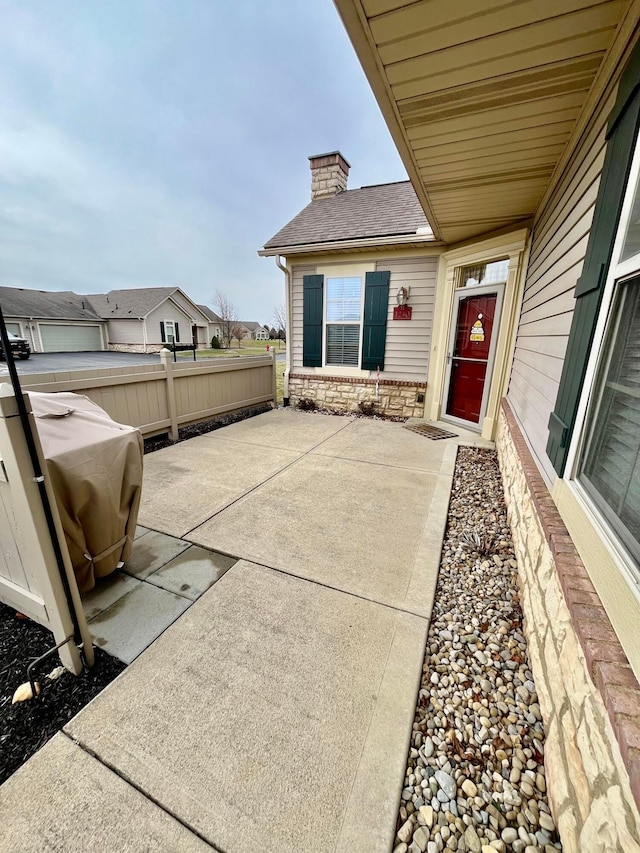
(213, 317)
(384, 210)
(44, 304)
(132, 302)
(249, 324)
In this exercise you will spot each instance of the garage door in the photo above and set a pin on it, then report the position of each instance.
(70, 338)
(14, 328)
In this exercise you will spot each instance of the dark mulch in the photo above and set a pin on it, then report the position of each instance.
(158, 442)
(26, 726)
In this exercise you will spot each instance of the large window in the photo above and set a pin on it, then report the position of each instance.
(343, 318)
(611, 462)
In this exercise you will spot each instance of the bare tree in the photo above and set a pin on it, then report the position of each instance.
(226, 310)
(239, 332)
(280, 322)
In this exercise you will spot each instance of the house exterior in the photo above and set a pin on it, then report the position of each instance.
(145, 319)
(518, 127)
(53, 321)
(350, 255)
(255, 331)
(215, 323)
(129, 320)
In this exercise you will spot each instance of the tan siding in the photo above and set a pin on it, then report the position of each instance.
(296, 311)
(125, 332)
(560, 237)
(168, 311)
(408, 341)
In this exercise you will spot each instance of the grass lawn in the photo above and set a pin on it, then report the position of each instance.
(246, 348)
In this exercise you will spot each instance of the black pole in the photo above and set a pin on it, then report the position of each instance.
(38, 475)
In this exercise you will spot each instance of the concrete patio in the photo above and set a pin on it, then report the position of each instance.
(281, 585)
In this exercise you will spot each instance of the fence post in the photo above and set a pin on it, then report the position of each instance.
(274, 380)
(165, 357)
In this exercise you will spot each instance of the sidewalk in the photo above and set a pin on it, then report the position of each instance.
(274, 714)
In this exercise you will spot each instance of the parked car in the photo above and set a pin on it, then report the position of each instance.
(19, 346)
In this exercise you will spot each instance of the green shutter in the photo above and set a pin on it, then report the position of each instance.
(162, 335)
(177, 332)
(621, 139)
(374, 332)
(312, 286)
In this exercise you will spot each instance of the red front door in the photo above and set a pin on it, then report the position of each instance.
(470, 356)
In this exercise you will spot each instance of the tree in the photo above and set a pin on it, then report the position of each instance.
(226, 310)
(280, 322)
(238, 331)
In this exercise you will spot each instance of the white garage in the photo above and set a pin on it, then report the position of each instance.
(59, 337)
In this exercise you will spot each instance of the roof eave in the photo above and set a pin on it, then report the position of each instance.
(359, 243)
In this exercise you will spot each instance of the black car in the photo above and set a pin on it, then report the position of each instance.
(19, 346)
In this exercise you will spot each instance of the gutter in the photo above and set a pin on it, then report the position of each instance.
(288, 323)
(359, 243)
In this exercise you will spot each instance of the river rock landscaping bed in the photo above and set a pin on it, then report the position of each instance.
(475, 777)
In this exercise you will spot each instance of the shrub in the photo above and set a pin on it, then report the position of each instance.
(306, 404)
(367, 407)
(215, 343)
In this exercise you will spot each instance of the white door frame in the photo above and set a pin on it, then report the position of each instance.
(458, 295)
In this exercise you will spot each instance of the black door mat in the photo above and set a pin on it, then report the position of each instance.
(429, 431)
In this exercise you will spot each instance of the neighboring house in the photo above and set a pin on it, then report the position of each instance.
(53, 321)
(215, 323)
(131, 320)
(255, 331)
(518, 127)
(351, 254)
(144, 319)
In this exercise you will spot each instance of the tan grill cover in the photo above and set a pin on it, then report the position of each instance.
(95, 465)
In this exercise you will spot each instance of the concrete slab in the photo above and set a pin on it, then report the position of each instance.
(186, 484)
(140, 531)
(385, 443)
(285, 429)
(64, 799)
(131, 624)
(260, 716)
(152, 551)
(106, 592)
(193, 572)
(362, 528)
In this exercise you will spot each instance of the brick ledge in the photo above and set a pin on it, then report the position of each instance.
(606, 661)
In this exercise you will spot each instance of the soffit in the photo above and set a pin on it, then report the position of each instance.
(481, 97)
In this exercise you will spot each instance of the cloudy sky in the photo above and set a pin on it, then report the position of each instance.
(162, 142)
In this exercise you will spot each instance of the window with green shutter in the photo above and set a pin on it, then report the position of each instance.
(621, 140)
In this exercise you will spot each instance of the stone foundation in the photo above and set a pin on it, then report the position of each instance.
(149, 348)
(589, 696)
(340, 394)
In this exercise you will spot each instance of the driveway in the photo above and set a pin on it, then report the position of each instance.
(275, 713)
(50, 362)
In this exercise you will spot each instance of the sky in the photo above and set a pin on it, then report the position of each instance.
(148, 143)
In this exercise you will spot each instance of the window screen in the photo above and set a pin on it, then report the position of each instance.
(344, 305)
(610, 468)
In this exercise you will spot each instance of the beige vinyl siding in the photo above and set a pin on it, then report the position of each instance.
(408, 341)
(191, 309)
(560, 237)
(168, 311)
(125, 332)
(298, 273)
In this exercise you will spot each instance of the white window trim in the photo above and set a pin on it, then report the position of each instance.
(171, 323)
(343, 271)
(359, 323)
(617, 272)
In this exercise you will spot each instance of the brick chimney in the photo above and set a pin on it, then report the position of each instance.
(329, 174)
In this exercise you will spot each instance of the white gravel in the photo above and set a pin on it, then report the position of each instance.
(475, 778)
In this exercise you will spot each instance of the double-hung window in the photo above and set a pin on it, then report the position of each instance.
(343, 320)
(609, 467)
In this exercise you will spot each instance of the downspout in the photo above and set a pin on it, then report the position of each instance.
(144, 334)
(288, 322)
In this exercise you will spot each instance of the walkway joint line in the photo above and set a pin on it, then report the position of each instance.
(141, 790)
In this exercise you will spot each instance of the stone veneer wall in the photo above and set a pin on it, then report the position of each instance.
(150, 348)
(589, 696)
(340, 394)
